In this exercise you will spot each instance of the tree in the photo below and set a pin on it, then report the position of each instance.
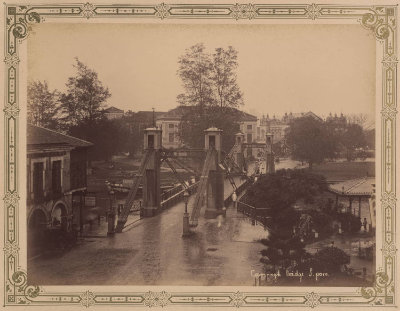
(197, 119)
(353, 138)
(195, 72)
(330, 260)
(211, 90)
(43, 105)
(223, 76)
(108, 136)
(85, 97)
(311, 141)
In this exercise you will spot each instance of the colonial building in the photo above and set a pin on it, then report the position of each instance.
(56, 181)
(279, 127)
(113, 113)
(170, 121)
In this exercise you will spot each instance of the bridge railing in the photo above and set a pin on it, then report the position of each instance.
(256, 214)
(239, 190)
(175, 195)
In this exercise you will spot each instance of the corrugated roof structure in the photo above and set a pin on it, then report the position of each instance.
(354, 187)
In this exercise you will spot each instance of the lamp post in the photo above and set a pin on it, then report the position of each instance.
(186, 215)
(111, 215)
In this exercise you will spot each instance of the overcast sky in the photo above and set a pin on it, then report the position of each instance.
(282, 68)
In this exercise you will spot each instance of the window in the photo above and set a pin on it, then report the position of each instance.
(38, 182)
(150, 141)
(211, 141)
(171, 137)
(56, 178)
(171, 126)
(249, 138)
(249, 127)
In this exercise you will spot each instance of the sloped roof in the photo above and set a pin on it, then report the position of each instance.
(41, 136)
(306, 114)
(175, 113)
(360, 186)
(244, 116)
(178, 112)
(113, 109)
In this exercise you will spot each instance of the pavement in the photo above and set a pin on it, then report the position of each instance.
(221, 251)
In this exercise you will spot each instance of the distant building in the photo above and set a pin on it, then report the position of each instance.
(279, 127)
(56, 181)
(337, 123)
(113, 113)
(170, 121)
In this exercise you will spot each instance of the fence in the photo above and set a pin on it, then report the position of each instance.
(254, 213)
(239, 190)
(175, 195)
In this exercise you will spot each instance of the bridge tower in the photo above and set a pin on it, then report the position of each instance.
(238, 155)
(215, 187)
(151, 176)
(269, 155)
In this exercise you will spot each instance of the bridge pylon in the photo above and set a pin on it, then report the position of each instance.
(269, 155)
(216, 174)
(151, 176)
(238, 151)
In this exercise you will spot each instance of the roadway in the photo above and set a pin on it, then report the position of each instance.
(221, 251)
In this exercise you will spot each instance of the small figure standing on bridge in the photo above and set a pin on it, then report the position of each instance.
(234, 199)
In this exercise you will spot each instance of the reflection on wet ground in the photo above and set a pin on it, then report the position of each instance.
(221, 251)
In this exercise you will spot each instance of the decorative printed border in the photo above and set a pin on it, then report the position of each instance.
(381, 20)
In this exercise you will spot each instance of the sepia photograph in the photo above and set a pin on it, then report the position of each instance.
(200, 155)
(233, 156)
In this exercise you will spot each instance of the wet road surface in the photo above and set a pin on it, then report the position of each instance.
(221, 251)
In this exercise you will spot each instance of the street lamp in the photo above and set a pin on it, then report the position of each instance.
(186, 199)
(186, 215)
(111, 215)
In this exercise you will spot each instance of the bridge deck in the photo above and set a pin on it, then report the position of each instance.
(222, 251)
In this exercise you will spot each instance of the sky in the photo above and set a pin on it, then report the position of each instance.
(282, 68)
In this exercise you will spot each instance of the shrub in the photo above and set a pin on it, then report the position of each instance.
(330, 259)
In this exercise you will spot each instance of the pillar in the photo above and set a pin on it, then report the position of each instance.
(238, 155)
(216, 175)
(269, 155)
(350, 204)
(359, 207)
(151, 175)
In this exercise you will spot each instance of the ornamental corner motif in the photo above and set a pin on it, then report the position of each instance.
(18, 291)
(381, 292)
(382, 22)
(19, 20)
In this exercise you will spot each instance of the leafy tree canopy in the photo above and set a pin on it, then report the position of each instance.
(311, 141)
(85, 97)
(43, 105)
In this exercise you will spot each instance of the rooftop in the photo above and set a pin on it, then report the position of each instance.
(113, 109)
(354, 187)
(178, 112)
(37, 135)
